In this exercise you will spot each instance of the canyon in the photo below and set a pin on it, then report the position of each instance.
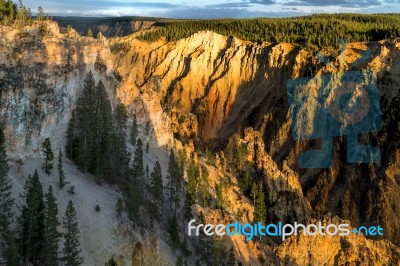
(218, 92)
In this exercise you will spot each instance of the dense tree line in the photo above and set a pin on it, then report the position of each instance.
(319, 29)
(8, 249)
(8, 10)
(38, 234)
(95, 136)
(11, 12)
(36, 238)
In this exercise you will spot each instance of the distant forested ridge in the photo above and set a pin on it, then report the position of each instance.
(319, 29)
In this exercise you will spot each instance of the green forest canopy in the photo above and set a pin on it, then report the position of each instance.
(319, 29)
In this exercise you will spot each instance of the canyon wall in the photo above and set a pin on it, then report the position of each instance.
(216, 91)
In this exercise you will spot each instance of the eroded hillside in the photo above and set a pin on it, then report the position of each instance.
(217, 92)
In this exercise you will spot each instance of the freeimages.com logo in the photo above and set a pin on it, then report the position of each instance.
(330, 105)
(280, 230)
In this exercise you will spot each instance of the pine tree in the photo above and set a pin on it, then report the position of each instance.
(138, 168)
(119, 207)
(174, 181)
(48, 156)
(134, 200)
(174, 232)
(119, 155)
(71, 141)
(40, 14)
(96, 137)
(218, 251)
(204, 188)
(134, 130)
(71, 250)
(120, 119)
(111, 262)
(260, 208)
(32, 227)
(156, 190)
(52, 236)
(179, 261)
(231, 258)
(61, 174)
(85, 112)
(187, 207)
(90, 33)
(185, 248)
(136, 181)
(193, 173)
(102, 132)
(254, 193)
(191, 188)
(6, 204)
(147, 170)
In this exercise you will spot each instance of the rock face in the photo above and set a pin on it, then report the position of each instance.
(218, 91)
(41, 74)
(213, 86)
(327, 250)
(109, 27)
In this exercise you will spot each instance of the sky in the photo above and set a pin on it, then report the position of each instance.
(210, 8)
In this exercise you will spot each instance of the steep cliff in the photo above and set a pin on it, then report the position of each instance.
(213, 86)
(109, 27)
(41, 77)
(215, 91)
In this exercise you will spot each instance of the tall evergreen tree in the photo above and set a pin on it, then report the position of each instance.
(119, 154)
(174, 181)
(187, 207)
(40, 14)
(179, 261)
(260, 209)
(7, 10)
(71, 140)
(193, 173)
(71, 250)
(96, 134)
(136, 181)
(254, 193)
(174, 232)
(119, 207)
(231, 258)
(48, 156)
(134, 130)
(32, 227)
(85, 112)
(120, 119)
(134, 201)
(6, 204)
(111, 262)
(102, 131)
(61, 174)
(137, 167)
(156, 190)
(51, 234)
(90, 33)
(204, 188)
(218, 251)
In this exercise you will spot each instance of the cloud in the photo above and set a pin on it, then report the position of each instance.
(229, 5)
(251, 12)
(210, 8)
(113, 4)
(338, 3)
(263, 2)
